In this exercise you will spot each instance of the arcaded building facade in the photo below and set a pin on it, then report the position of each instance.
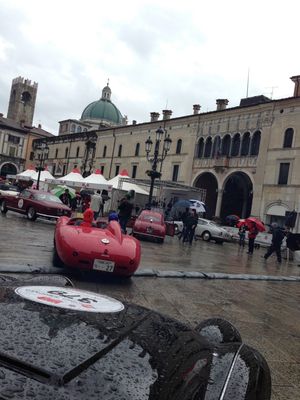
(245, 157)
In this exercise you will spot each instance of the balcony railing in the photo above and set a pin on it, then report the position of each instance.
(225, 162)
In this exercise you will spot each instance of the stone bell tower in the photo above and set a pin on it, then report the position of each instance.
(22, 101)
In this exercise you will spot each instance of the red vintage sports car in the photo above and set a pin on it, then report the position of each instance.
(150, 224)
(91, 248)
(34, 203)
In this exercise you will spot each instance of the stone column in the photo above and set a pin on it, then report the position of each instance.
(219, 202)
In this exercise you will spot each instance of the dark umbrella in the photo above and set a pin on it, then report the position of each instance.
(232, 219)
(179, 207)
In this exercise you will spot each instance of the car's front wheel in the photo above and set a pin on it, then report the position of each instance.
(3, 207)
(31, 214)
(206, 236)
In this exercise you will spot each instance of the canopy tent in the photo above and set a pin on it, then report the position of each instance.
(75, 179)
(43, 176)
(96, 181)
(27, 175)
(117, 183)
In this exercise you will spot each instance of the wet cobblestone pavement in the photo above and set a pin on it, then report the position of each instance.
(266, 313)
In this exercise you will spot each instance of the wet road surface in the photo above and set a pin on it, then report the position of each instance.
(266, 313)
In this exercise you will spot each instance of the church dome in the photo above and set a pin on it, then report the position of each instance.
(103, 110)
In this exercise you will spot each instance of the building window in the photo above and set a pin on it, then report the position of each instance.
(73, 127)
(226, 143)
(31, 158)
(208, 147)
(245, 144)
(288, 138)
(77, 152)
(13, 139)
(120, 151)
(175, 173)
(12, 151)
(216, 150)
(56, 153)
(137, 149)
(66, 153)
(200, 148)
(178, 146)
(134, 169)
(84, 129)
(64, 169)
(255, 143)
(104, 151)
(102, 169)
(117, 170)
(235, 147)
(283, 173)
(53, 169)
(79, 129)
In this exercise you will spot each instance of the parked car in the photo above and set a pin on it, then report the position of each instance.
(208, 230)
(91, 248)
(151, 225)
(34, 204)
(197, 205)
(59, 342)
(8, 189)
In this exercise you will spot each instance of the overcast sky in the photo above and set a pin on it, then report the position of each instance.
(156, 54)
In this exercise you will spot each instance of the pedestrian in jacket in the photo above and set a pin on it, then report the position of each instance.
(277, 238)
(253, 231)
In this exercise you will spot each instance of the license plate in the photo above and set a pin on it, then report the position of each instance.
(149, 230)
(103, 265)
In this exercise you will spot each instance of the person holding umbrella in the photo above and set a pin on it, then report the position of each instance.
(253, 231)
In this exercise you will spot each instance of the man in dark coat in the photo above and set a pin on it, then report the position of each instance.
(125, 210)
(277, 238)
(191, 224)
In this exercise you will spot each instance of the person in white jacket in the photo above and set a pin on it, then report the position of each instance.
(96, 202)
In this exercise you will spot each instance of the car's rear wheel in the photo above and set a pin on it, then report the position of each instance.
(206, 236)
(31, 214)
(3, 207)
(160, 240)
(56, 260)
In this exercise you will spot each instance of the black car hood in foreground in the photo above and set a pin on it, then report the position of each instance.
(53, 353)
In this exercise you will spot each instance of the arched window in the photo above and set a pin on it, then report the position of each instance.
(79, 129)
(73, 127)
(120, 151)
(235, 147)
(66, 153)
(84, 129)
(255, 142)
(56, 153)
(178, 146)
(226, 142)
(137, 149)
(245, 144)
(208, 147)
(200, 148)
(77, 152)
(216, 151)
(288, 138)
(104, 151)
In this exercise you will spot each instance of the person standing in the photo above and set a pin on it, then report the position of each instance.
(253, 231)
(96, 201)
(125, 210)
(66, 198)
(242, 235)
(184, 216)
(191, 224)
(277, 238)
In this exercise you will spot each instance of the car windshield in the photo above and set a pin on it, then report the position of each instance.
(148, 217)
(47, 197)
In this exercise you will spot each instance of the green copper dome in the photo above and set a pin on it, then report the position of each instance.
(103, 109)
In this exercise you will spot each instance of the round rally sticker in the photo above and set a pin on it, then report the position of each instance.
(20, 203)
(69, 298)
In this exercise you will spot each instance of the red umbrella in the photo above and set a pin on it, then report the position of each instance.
(259, 224)
(240, 223)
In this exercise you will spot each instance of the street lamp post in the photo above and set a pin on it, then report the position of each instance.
(43, 151)
(153, 173)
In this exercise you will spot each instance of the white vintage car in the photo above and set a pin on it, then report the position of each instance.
(208, 230)
(8, 190)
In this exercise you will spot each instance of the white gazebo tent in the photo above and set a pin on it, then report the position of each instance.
(120, 187)
(73, 179)
(96, 181)
(27, 175)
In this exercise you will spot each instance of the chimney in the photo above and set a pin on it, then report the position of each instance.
(221, 104)
(296, 80)
(154, 116)
(196, 108)
(39, 126)
(133, 122)
(1, 115)
(167, 114)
